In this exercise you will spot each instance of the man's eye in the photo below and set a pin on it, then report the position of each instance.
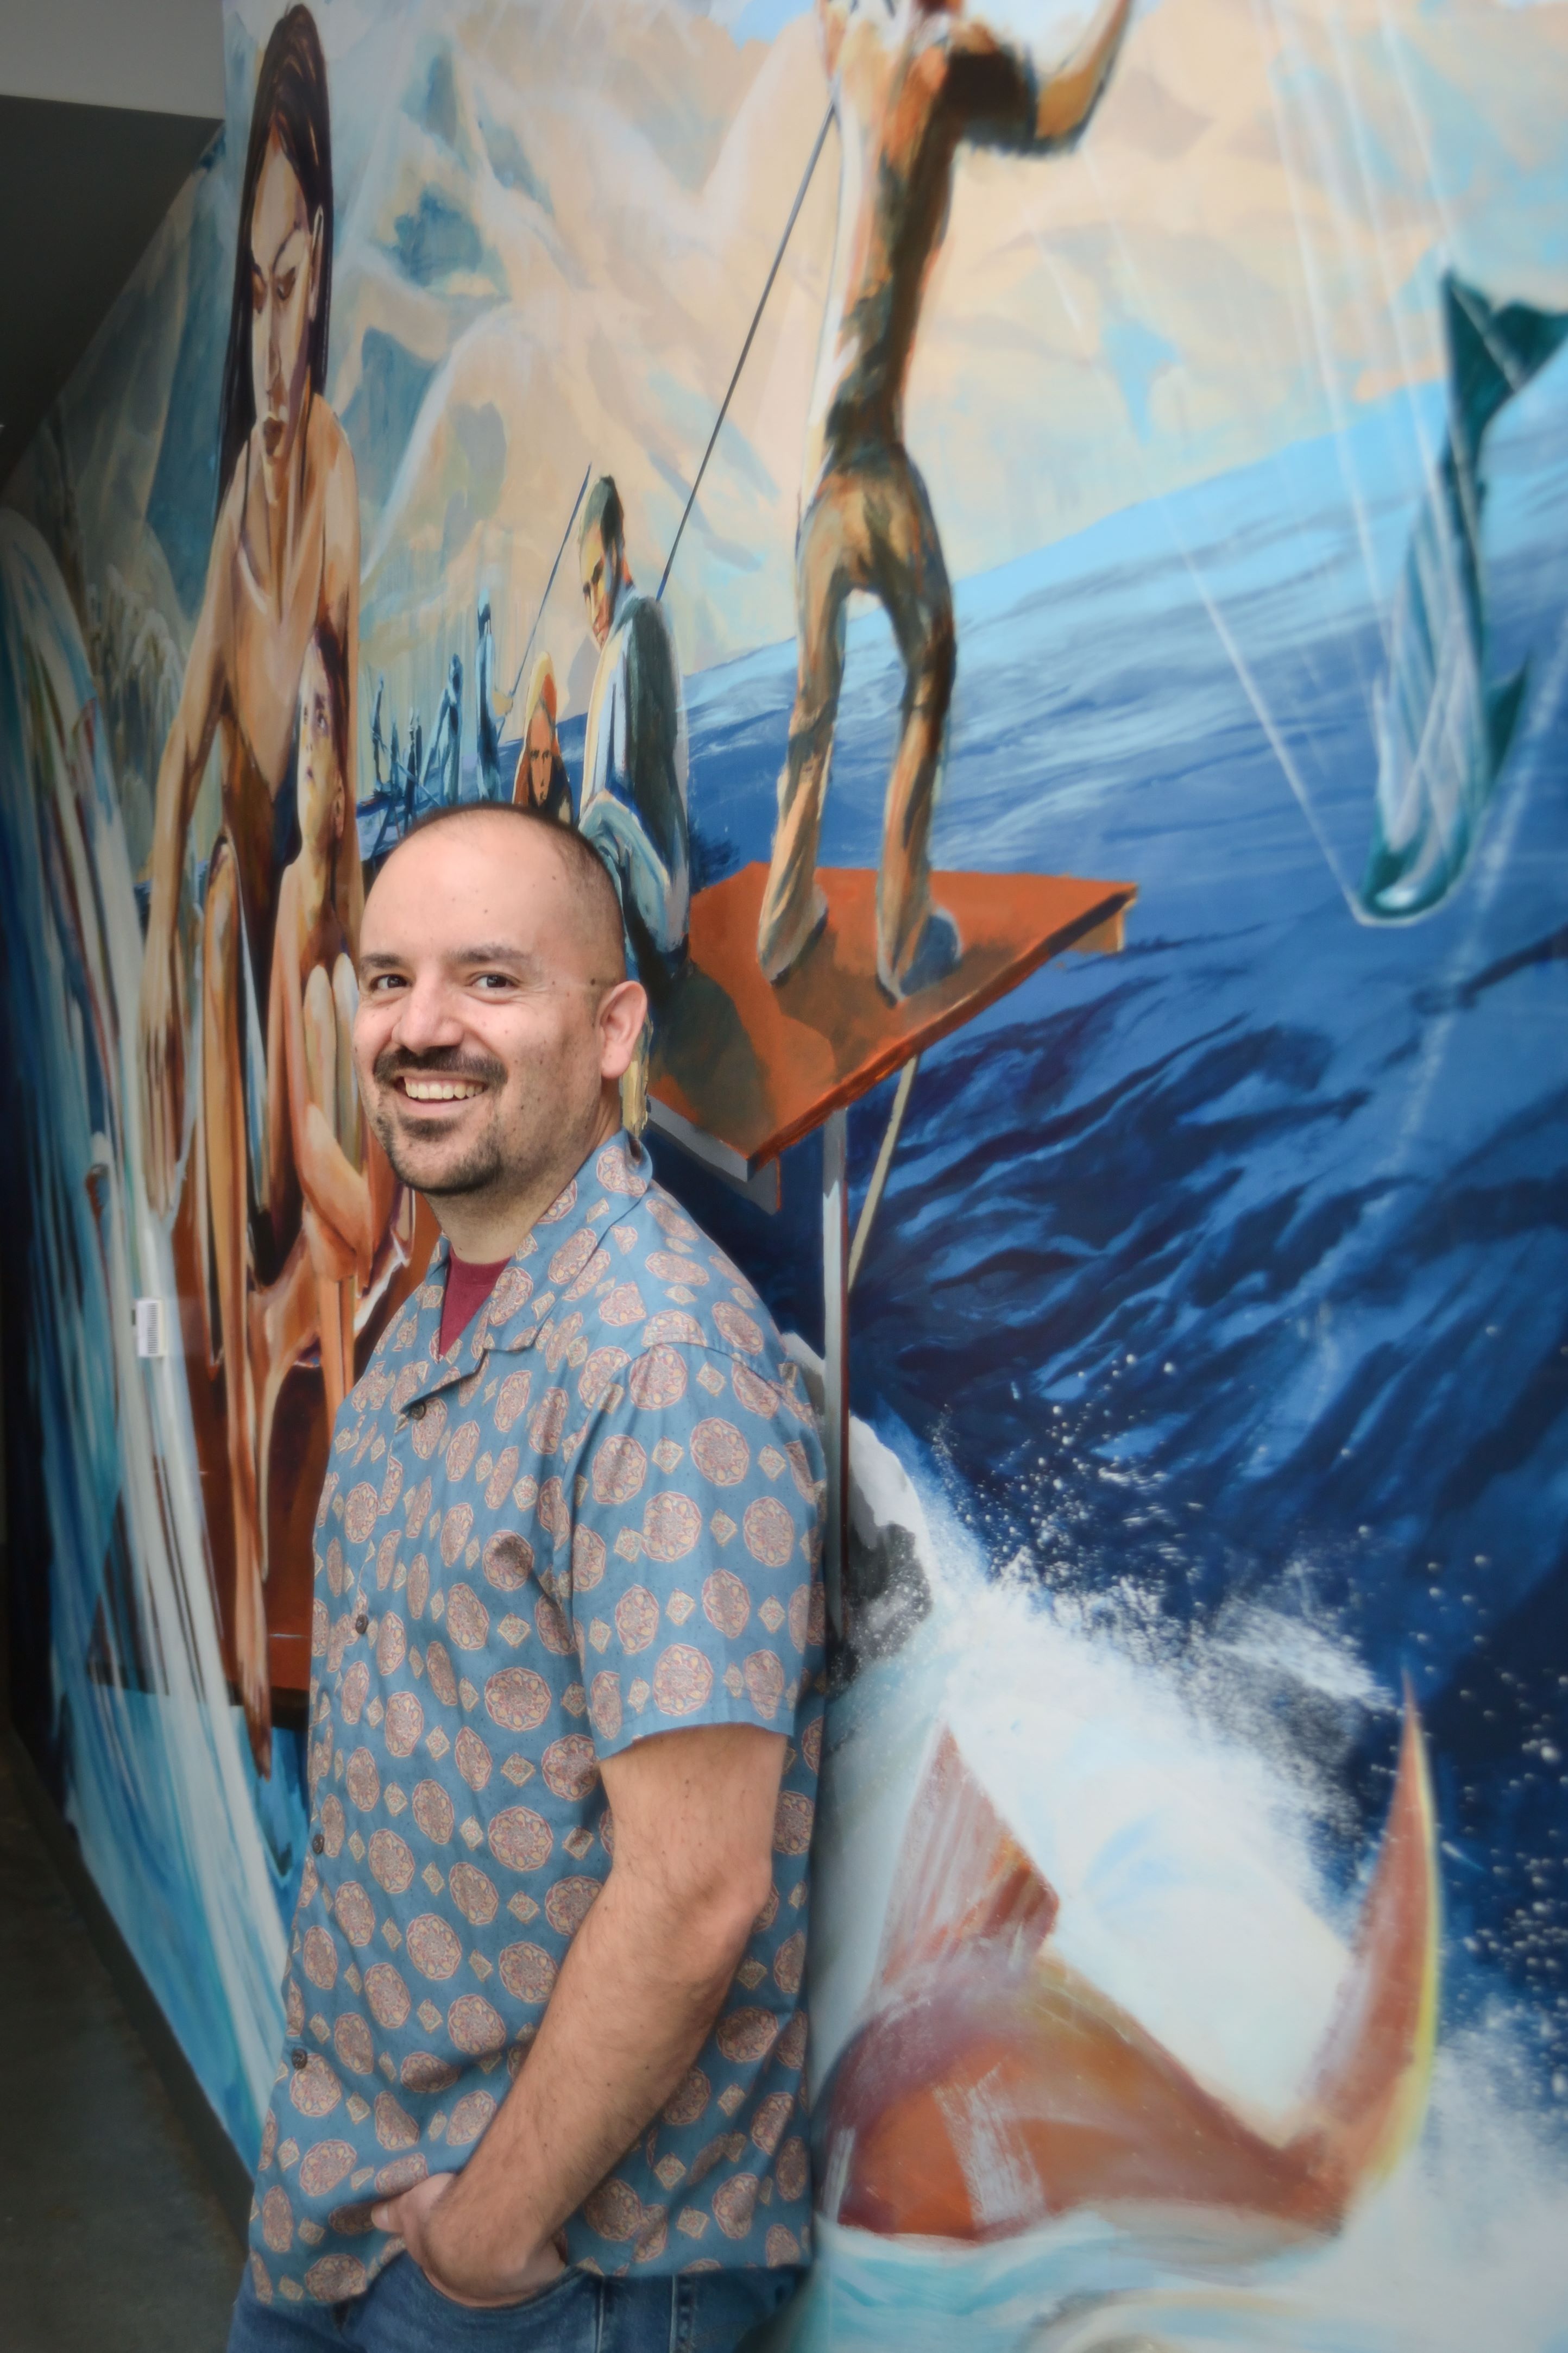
(492, 981)
(258, 292)
(381, 983)
(286, 285)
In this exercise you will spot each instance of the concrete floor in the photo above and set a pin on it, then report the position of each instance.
(111, 2240)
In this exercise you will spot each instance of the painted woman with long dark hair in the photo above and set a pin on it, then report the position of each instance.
(284, 560)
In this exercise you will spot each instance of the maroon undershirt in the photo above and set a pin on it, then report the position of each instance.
(468, 1288)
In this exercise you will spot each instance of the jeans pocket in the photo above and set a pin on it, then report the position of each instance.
(561, 2317)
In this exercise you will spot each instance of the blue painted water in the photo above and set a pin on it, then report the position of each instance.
(1229, 1274)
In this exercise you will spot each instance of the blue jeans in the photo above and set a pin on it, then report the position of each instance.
(400, 2312)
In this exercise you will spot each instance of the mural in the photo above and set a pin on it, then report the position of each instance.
(924, 488)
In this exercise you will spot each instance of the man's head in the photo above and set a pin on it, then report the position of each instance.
(601, 556)
(495, 1016)
(541, 749)
(323, 730)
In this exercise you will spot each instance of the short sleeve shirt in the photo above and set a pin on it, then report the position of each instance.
(596, 1518)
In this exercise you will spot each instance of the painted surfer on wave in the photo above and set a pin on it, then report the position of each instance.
(912, 83)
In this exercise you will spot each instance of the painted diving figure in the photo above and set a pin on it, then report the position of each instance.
(912, 82)
(1444, 725)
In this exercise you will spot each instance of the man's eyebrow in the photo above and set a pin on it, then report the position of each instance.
(483, 952)
(493, 952)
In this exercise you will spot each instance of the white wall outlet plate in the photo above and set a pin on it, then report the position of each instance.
(148, 1318)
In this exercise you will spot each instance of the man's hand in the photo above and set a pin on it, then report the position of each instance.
(637, 1994)
(435, 2237)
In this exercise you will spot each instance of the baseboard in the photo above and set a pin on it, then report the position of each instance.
(223, 2166)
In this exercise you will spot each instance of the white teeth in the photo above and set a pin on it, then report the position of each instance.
(439, 1090)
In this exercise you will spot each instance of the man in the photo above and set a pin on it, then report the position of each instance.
(487, 706)
(543, 2083)
(416, 767)
(634, 752)
(911, 83)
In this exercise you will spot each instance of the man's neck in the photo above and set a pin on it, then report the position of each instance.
(485, 1228)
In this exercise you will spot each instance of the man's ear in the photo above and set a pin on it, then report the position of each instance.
(623, 1009)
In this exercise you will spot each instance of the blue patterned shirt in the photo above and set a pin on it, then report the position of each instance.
(596, 1518)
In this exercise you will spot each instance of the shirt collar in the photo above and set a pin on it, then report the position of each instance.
(551, 1266)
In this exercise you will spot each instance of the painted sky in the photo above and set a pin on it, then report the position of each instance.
(537, 270)
(534, 275)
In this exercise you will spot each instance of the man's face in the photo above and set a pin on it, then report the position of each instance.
(285, 268)
(320, 772)
(477, 1041)
(601, 564)
(539, 756)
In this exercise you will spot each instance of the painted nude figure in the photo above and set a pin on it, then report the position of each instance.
(914, 81)
(284, 558)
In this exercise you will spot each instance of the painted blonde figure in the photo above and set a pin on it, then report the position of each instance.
(541, 782)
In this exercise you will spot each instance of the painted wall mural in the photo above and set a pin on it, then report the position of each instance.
(925, 489)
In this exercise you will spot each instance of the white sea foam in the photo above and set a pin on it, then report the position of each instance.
(1183, 1851)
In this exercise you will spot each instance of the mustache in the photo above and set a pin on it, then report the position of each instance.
(396, 1062)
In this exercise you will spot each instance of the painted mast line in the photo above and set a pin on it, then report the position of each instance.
(751, 334)
(528, 648)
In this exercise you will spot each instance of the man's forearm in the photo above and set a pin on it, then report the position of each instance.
(637, 1995)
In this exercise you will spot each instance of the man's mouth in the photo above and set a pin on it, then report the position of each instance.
(428, 1090)
(272, 436)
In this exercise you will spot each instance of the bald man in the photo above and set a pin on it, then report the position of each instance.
(545, 2023)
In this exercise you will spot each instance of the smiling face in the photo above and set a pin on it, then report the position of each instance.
(493, 1022)
(285, 273)
(539, 755)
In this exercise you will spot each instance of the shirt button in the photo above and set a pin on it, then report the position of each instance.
(417, 1411)
(318, 1844)
(299, 2057)
(361, 1623)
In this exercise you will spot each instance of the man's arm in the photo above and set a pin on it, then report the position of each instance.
(639, 1991)
(339, 595)
(163, 1010)
(653, 730)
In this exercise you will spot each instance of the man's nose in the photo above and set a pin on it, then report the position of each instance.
(428, 1017)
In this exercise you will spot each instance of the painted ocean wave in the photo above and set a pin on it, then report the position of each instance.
(1230, 1270)
(148, 1758)
(1188, 1830)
